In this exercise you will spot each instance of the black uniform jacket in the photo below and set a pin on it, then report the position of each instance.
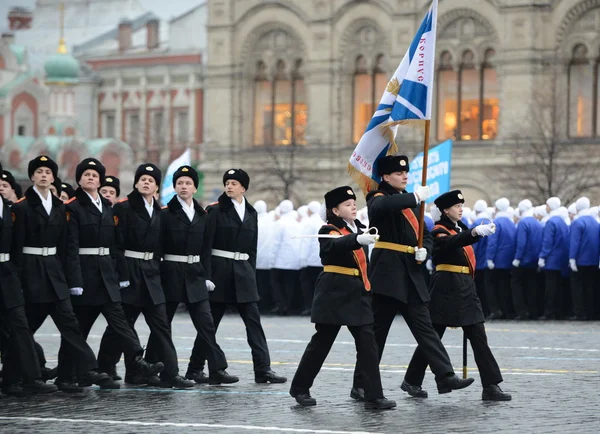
(454, 300)
(341, 299)
(87, 227)
(11, 294)
(182, 282)
(396, 274)
(235, 281)
(138, 232)
(42, 277)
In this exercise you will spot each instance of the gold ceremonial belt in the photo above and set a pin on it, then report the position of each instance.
(393, 246)
(453, 269)
(341, 270)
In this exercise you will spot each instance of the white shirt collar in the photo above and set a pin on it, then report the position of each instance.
(240, 208)
(97, 202)
(149, 206)
(190, 211)
(351, 225)
(1, 208)
(46, 203)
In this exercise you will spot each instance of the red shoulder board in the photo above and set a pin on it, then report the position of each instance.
(70, 200)
(213, 204)
(123, 200)
(164, 207)
(21, 200)
(378, 194)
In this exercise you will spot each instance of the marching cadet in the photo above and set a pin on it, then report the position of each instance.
(232, 232)
(583, 259)
(184, 254)
(90, 270)
(39, 252)
(67, 192)
(18, 353)
(454, 301)
(138, 223)
(9, 189)
(342, 297)
(111, 189)
(395, 273)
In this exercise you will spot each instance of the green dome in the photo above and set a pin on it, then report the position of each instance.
(62, 67)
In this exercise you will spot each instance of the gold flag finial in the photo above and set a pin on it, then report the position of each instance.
(62, 47)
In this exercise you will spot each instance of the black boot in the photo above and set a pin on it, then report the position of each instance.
(67, 386)
(198, 376)
(380, 404)
(358, 394)
(49, 374)
(303, 398)
(222, 377)
(100, 378)
(146, 369)
(176, 382)
(494, 393)
(13, 389)
(39, 387)
(452, 382)
(415, 391)
(268, 377)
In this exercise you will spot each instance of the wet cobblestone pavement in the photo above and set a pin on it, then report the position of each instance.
(551, 369)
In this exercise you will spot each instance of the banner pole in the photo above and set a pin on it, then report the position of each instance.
(424, 182)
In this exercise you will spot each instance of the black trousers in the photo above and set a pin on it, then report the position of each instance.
(583, 283)
(205, 343)
(308, 280)
(318, 348)
(480, 287)
(125, 337)
(254, 333)
(416, 315)
(72, 345)
(284, 284)
(524, 291)
(486, 363)
(263, 282)
(19, 356)
(158, 322)
(498, 291)
(553, 294)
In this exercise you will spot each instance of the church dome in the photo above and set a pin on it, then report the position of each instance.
(62, 67)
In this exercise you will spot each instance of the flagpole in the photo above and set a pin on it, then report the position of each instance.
(424, 182)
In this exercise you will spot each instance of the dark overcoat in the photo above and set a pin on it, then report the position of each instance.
(182, 282)
(454, 300)
(11, 294)
(87, 227)
(340, 299)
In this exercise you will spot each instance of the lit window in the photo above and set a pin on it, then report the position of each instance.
(368, 88)
(581, 94)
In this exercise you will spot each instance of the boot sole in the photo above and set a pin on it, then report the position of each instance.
(216, 383)
(496, 398)
(463, 386)
(264, 380)
(307, 404)
(379, 407)
(423, 394)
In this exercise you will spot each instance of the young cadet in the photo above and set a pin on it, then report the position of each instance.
(9, 188)
(111, 189)
(454, 301)
(395, 273)
(342, 297)
(66, 192)
(90, 270)
(18, 353)
(232, 234)
(137, 219)
(184, 254)
(39, 253)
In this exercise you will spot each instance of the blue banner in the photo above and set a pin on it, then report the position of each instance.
(438, 170)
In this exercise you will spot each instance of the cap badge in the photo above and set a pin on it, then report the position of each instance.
(185, 169)
(149, 168)
(231, 172)
(91, 163)
(43, 159)
(402, 163)
(63, 185)
(109, 179)
(4, 175)
(460, 196)
(350, 192)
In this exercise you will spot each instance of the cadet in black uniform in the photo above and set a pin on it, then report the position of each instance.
(232, 234)
(111, 189)
(39, 253)
(90, 270)
(9, 188)
(185, 255)
(137, 219)
(454, 301)
(342, 297)
(66, 191)
(395, 272)
(19, 356)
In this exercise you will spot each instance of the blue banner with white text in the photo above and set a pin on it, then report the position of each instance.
(438, 170)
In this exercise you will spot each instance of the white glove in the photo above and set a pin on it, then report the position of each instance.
(516, 263)
(573, 265)
(366, 239)
(423, 193)
(541, 263)
(429, 265)
(485, 230)
(76, 291)
(210, 286)
(124, 284)
(420, 254)
(490, 264)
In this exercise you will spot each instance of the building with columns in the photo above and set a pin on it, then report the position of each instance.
(293, 83)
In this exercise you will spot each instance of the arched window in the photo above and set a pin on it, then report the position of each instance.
(368, 87)
(582, 93)
(468, 100)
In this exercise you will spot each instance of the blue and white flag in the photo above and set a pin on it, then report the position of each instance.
(166, 190)
(439, 169)
(407, 99)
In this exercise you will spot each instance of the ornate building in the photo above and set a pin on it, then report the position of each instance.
(291, 84)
